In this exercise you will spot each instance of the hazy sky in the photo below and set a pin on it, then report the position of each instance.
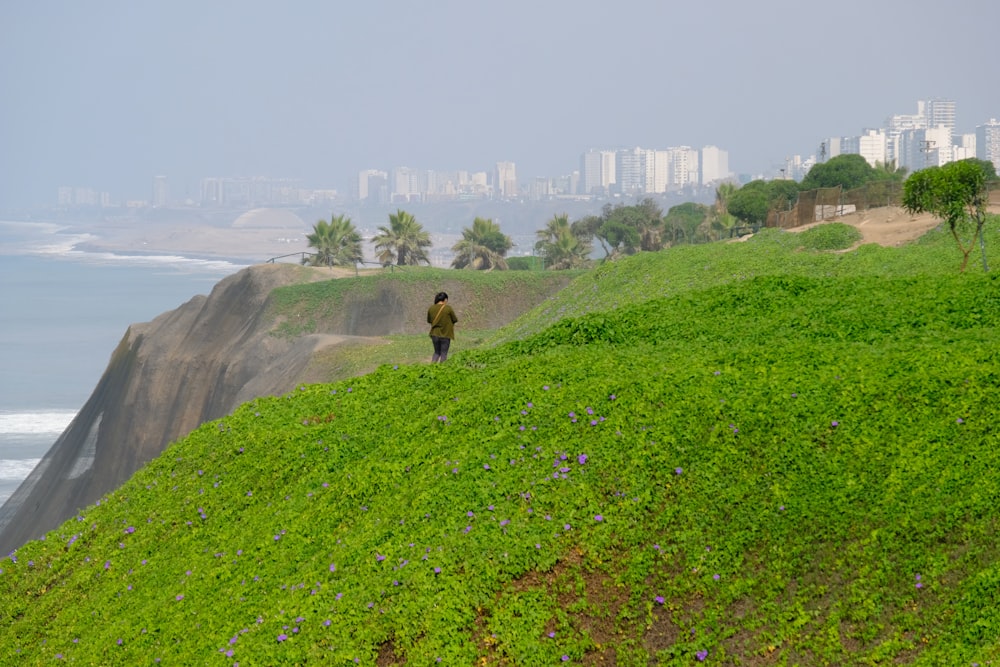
(107, 93)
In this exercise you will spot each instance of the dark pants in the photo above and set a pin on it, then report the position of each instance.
(440, 348)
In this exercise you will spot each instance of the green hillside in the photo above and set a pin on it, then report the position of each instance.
(734, 454)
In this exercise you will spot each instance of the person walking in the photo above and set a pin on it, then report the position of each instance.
(442, 319)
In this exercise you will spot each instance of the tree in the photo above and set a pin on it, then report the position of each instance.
(337, 243)
(404, 242)
(686, 218)
(624, 230)
(956, 193)
(848, 171)
(483, 247)
(782, 194)
(560, 247)
(751, 203)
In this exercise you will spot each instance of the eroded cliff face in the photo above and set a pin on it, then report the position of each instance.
(166, 377)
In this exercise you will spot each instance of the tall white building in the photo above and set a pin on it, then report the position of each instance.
(630, 171)
(714, 165)
(988, 142)
(683, 167)
(506, 180)
(872, 146)
(406, 184)
(919, 149)
(657, 171)
(964, 147)
(941, 112)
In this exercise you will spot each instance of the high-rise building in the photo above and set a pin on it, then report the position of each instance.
(590, 172)
(657, 171)
(964, 147)
(872, 147)
(941, 112)
(629, 168)
(683, 167)
(988, 142)
(506, 180)
(714, 165)
(371, 183)
(406, 184)
(919, 149)
(161, 191)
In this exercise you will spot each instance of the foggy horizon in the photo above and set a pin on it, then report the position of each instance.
(109, 94)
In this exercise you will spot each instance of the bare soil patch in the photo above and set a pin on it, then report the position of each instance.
(890, 226)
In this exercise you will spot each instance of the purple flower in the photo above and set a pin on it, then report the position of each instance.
(658, 599)
(379, 557)
(678, 471)
(566, 526)
(333, 567)
(437, 570)
(180, 596)
(565, 658)
(701, 655)
(282, 637)
(835, 424)
(581, 459)
(598, 517)
(715, 576)
(486, 466)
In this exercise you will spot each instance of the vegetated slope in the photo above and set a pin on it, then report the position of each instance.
(771, 252)
(259, 333)
(797, 467)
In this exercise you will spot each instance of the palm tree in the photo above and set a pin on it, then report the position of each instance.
(337, 243)
(483, 247)
(560, 248)
(722, 220)
(403, 242)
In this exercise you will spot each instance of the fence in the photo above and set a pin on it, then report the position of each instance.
(829, 203)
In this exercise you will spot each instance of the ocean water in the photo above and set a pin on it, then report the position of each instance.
(62, 313)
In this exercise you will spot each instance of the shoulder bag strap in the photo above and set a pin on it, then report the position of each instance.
(438, 316)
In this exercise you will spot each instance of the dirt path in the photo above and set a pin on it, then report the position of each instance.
(889, 226)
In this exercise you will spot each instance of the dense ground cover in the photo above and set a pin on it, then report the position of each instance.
(744, 454)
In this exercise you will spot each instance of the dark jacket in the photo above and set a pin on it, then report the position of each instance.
(442, 325)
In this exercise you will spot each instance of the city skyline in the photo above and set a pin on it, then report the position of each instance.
(910, 141)
(110, 94)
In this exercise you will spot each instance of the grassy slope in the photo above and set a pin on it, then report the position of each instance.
(748, 454)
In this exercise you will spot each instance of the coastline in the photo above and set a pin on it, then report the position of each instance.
(255, 246)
